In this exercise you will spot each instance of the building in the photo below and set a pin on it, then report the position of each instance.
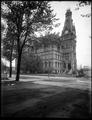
(60, 58)
(52, 58)
(68, 43)
(87, 71)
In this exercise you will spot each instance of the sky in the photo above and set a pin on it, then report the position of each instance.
(82, 25)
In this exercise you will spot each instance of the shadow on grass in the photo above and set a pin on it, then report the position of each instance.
(72, 101)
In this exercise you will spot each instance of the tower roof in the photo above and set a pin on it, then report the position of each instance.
(68, 13)
(68, 25)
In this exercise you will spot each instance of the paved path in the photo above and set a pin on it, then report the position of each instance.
(73, 82)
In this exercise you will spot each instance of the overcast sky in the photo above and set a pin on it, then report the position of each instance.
(82, 25)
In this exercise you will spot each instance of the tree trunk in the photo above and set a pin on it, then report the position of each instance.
(10, 72)
(18, 66)
(19, 56)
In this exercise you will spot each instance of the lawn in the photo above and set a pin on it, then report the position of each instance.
(26, 99)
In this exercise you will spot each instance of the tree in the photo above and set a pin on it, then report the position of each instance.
(9, 51)
(83, 4)
(27, 17)
(31, 63)
(3, 67)
(47, 39)
(2, 28)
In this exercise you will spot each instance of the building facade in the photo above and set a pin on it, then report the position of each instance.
(52, 58)
(61, 58)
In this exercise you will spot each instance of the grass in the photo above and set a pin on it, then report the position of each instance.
(58, 102)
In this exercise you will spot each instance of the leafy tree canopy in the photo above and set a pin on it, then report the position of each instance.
(31, 63)
(9, 43)
(82, 4)
(47, 39)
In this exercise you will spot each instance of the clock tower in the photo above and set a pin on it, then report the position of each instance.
(68, 43)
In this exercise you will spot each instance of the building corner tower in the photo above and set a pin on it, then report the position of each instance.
(68, 42)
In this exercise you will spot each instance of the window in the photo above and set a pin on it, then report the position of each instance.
(56, 64)
(56, 56)
(58, 47)
(60, 64)
(62, 47)
(49, 64)
(45, 64)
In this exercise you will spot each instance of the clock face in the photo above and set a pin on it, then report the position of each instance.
(66, 32)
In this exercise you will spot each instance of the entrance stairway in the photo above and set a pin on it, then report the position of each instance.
(70, 72)
(67, 73)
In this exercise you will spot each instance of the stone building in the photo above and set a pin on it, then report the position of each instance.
(61, 58)
(52, 58)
